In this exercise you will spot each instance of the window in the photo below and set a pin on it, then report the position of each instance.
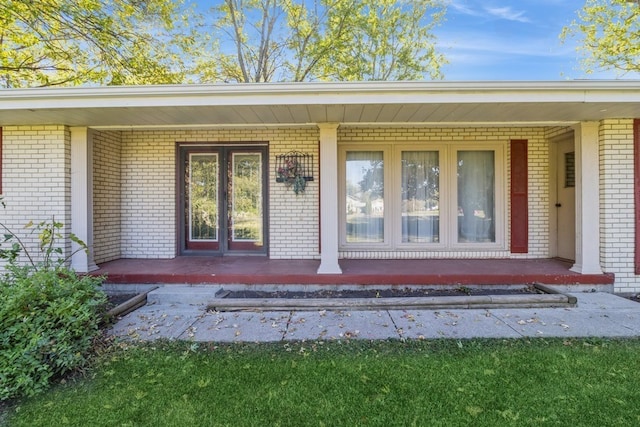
(365, 197)
(417, 197)
(476, 196)
(420, 200)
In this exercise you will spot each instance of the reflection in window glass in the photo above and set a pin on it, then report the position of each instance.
(246, 198)
(476, 196)
(202, 188)
(365, 197)
(420, 202)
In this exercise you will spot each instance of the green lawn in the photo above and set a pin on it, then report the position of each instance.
(424, 383)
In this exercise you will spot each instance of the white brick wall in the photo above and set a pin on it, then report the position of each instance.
(36, 164)
(148, 218)
(617, 231)
(135, 188)
(106, 195)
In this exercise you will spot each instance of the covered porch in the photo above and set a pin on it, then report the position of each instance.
(371, 272)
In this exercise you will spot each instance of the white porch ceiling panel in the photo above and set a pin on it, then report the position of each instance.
(294, 104)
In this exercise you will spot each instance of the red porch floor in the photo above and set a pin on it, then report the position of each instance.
(261, 270)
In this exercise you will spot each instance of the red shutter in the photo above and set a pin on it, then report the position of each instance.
(519, 197)
(636, 190)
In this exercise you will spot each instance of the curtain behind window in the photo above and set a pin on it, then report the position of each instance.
(420, 204)
(476, 196)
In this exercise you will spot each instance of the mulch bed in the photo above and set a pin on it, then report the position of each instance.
(377, 293)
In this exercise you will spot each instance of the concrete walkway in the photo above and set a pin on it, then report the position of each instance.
(596, 314)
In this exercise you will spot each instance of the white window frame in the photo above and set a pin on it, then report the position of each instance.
(342, 194)
(448, 182)
(500, 186)
(444, 196)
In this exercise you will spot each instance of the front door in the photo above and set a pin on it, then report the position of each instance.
(566, 200)
(222, 199)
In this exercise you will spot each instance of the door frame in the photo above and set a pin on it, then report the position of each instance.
(223, 149)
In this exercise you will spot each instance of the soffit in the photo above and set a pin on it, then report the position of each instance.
(295, 104)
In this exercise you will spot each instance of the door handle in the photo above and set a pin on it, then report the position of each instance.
(558, 205)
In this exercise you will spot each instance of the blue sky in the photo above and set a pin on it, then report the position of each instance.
(511, 40)
(507, 40)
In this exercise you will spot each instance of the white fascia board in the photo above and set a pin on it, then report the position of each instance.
(347, 93)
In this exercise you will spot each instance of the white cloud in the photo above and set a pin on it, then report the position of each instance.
(507, 13)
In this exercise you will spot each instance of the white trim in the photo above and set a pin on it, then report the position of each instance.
(317, 93)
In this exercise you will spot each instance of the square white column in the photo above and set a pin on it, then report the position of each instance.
(329, 220)
(587, 199)
(82, 198)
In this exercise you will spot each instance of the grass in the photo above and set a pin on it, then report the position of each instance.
(392, 383)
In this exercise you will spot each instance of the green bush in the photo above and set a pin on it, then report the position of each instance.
(49, 320)
(49, 315)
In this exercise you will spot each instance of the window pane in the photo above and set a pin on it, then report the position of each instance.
(476, 196)
(420, 197)
(365, 197)
(202, 188)
(246, 198)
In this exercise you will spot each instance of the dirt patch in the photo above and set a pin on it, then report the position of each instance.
(377, 293)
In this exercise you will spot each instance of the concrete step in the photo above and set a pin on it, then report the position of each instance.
(213, 297)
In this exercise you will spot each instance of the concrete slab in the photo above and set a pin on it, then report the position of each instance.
(596, 315)
(563, 323)
(604, 301)
(340, 325)
(239, 327)
(156, 321)
(429, 324)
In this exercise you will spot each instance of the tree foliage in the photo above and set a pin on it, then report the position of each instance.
(67, 42)
(116, 42)
(298, 40)
(609, 33)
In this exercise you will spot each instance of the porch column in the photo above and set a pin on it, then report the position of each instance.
(329, 199)
(82, 198)
(587, 199)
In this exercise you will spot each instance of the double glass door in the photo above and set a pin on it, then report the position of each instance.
(223, 199)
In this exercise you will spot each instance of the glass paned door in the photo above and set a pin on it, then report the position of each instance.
(201, 195)
(222, 199)
(245, 189)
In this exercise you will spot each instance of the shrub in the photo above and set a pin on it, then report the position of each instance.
(49, 314)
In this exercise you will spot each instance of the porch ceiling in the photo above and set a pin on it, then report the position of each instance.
(287, 104)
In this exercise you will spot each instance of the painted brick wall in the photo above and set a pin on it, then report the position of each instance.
(617, 203)
(148, 221)
(36, 179)
(538, 152)
(106, 195)
(148, 215)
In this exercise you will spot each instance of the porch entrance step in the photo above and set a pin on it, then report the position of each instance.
(215, 298)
